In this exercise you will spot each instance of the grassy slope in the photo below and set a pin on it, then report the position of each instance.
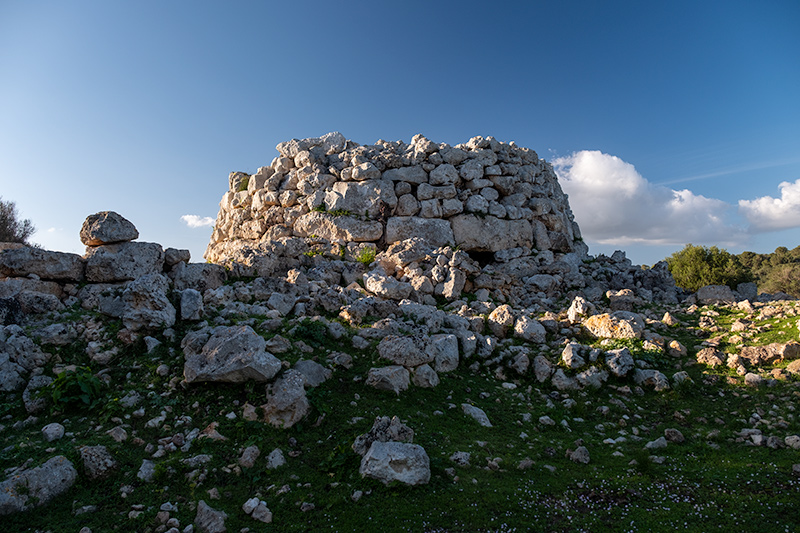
(700, 486)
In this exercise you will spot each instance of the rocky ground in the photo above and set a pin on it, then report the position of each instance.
(141, 392)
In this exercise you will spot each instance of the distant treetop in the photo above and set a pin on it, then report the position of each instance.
(12, 229)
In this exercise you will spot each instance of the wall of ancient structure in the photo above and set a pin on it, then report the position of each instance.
(482, 196)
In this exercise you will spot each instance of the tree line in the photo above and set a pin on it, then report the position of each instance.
(696, 266)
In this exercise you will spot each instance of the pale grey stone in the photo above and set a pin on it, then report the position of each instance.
(435, 232)
(123, 262)
(191, 305)
(107, 227)
(37, 486)
(619, 361)
(52, 431)
(287, 403)
(275, 459)
(405, 350)
(412, 174)
(444, 349)
(98, 463)
(396, 461)
(314, 373)
(425, 377)
(444, 174)
(233, 354)
(384, 429)
(477, 413)
(209, 520)
(490, 233)
(44, 264)
(146, 305)
(392, 378)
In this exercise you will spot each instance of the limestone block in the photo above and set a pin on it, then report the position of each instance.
(123, 262)
(436, 231)
(341, 228)
(490, 234)
(412, 174)
(396, 461)
(233, 354)
(107, 227)
(361, 198)
(45, 264)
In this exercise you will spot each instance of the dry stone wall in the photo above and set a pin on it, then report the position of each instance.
(482, 196)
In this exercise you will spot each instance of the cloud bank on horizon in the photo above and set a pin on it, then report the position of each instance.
(614, 204)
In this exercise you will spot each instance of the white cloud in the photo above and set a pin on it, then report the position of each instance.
(195, 221)
(614, 204)
(768, 213)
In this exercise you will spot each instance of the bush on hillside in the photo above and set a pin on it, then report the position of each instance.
(697, 266)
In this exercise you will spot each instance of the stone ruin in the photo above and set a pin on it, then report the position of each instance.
(439, 219)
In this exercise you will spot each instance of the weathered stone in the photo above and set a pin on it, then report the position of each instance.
(209, 520)
(715, 294)
(393, 378)
(314, 373)
(377, 282)
(233, 354)
(619, 362)
(249, 456)
(123, 262)
(337, 228)
(191, 305)
(384, 429)
(563, 382)
(651, 377)
(711, 357)
(425, 377)
(44, 264)
(490, 233)
(287, 403)
(476, 413)
(435, 232)
(408, 351)
(37, 486)
(361, 198)
(107, 227)
(98, 463)
(197, 276)
(444, 349)
(542, 368)
(617, 325)
(571, 357)
(580, 455)
(145, 304)
(396, 461)
(412, 174)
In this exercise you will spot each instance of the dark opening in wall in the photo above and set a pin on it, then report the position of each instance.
(483, 258)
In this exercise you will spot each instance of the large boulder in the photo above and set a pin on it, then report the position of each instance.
(384, 429)
(44, 264)
(233, 354)
(198, 276)
(37, 486)
(337, 228)
(146, 305)
(435, 231)
(107, 227)
(287, 403)
(491, 234)
(123, 262)
(405, 350)
(396, 461)
(715, 294)
(363, 198)
(617, 325)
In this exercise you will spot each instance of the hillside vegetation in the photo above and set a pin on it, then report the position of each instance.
(696, 266)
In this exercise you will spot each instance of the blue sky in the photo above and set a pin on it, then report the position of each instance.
(670, 122)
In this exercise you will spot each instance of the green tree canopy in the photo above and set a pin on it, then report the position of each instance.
(697, 266)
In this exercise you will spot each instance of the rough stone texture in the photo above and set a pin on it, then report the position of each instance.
(98, 463)
(444, 349)
(393, 378)
(408, 351)
(396, 461)
(491, 234)
(425, 377)
(435, 231)
(715, 294)
(393, 191)
(123, 262)
(209, 520)
(287, 403)
(477, 413)
(191, 305)
(384, 429)
(197, 276)
(45, 264)
(530, 330)
(314, 373)
(107, 227)
(711, 357)
(619, 362)
(770, 354)
(145, 304)
(37, 486)
(617, 325)
(233, 354)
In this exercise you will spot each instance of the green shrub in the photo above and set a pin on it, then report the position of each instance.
(697, 266)
(366, 256)
(243, 184)
(79, 388)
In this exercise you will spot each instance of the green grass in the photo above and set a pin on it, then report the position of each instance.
(698, 487)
